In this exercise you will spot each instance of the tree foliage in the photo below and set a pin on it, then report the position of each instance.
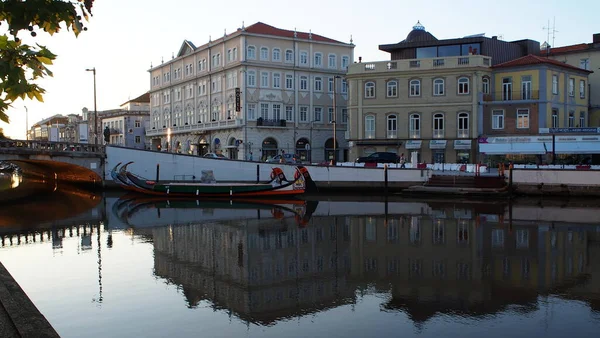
(2, 133)
(21, 64)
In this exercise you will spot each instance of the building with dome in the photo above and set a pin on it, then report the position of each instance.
(425, 101)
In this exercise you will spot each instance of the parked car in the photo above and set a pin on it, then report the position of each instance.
(213, 155)
(288, 158)
(379, 157)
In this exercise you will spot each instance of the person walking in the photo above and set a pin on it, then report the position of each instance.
(402, 161)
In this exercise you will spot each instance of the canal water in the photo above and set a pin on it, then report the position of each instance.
(116, 265)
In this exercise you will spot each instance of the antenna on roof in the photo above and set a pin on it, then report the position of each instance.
(551, 30)
(150, 64)
(224, 32)
(310, 34)
(351, 39)
(243, 27)
(295, 33)
(162, 59)
(172, 55)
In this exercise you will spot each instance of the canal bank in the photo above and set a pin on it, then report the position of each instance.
(18, 315)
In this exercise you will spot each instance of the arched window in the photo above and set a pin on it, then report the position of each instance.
(486, 85)
(392, 126)
(463, 85)
(289, 55)
(438, 125)
(370, 89)
(276, 54)
(392, 88)
(463, 125)
(251, 78)
(438, 87)
(369, 126)
(414, 88)
(251, 52)
(414, 127)
(264, 53)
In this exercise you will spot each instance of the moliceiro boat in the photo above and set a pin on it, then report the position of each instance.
(278, 185)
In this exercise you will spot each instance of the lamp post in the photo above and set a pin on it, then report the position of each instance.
(93, 70)
(334, 160)
(26, 123)
(169, 139)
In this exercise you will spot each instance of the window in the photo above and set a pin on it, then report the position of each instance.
(345, 62)
(303, 58)
(463, 125)
(330, 85)
(554, 84)
(522, 239)
(582, 119)
(138, 139)
(370, 89)
(506, 89)
(581, 89)
(330, 117)
(369, 126)
(234, 54)
(318, 84)
(289, 113)
(251, 111)
(526, 88)
(264, 53)
(463, 85)
(318, 60)
(392, 88)
(303, 83)
(318, 114)
(438, 87)
(344, 86)
(522, 118)
(486, 85)
(289, 81)
(414, 88)
(438, 231)
(571, 87)
(571, 119)
(251, 53)
(554, 118)
(303, 114)
(415, 126)
(498, 238)
(289, 56)
(584, 64)
(264, 111)
(229, 55)
(438, 126)
(331, 63)
(276, 111)
(344, 115)
(276, 54)
(392, 126)
(276, 80)
(251, 78)
(264, 79)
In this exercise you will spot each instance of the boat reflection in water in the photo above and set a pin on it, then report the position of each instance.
(426, 258)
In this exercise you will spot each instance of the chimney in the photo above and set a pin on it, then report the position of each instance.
(596, 38)
(495, 37)
(359, 59)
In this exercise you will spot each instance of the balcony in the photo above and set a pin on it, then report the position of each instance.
(115, 131)
(198, 127)
(421, 64)
(260, 122)
(514, 95)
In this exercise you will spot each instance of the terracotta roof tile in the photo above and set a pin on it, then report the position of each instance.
(264, 29)
(536, 60)
(567, 49)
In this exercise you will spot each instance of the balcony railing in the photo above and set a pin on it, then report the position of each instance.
(115, 131)
(214, 125)
(392, 134)
(414, 134)
(463, 133)
(260, 122)
(438, 133)
(424, 64)
(514, 95)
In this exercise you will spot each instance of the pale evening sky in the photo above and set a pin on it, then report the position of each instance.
(124, 37)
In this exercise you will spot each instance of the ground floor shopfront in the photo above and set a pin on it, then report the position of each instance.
(540, 149)
(422, 151)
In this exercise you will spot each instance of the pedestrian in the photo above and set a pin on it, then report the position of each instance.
(402, 161)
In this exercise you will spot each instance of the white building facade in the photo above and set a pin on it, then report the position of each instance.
(253, 94)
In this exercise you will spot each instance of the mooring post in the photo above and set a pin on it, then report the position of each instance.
(257, 173)
(157, 171)
(385, 178)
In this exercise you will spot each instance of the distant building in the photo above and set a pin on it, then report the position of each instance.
(127, 125)
(426, 101)
(258, 90)
(585, 56)
(65, 128)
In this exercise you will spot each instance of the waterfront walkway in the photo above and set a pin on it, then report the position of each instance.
(19, 318)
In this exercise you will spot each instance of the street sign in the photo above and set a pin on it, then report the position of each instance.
(237, 99)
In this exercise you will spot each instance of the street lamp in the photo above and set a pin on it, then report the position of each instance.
(26, 123)
(169, 139)
(93, 70)
(334, 160)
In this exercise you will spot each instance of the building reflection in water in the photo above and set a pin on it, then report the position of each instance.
(443, 260)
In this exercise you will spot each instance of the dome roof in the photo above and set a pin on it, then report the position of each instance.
(419, 33)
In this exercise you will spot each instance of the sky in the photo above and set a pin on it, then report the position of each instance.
(125, 37)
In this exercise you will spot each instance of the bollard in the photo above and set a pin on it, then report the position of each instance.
(385, 178)
(157, 171)
(257, 173)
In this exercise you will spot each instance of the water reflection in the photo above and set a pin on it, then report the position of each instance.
(266, 262)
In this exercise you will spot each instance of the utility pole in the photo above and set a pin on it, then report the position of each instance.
(334, 160)
(26, 123)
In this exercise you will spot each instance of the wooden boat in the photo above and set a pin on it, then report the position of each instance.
(277, 186)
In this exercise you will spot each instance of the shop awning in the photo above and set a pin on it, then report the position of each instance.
(575, 147)
(529, 148)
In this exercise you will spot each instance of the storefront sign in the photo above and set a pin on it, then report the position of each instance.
(437, 144)
(462, 144)
(413, 144)
(541, 139)
(589, 130)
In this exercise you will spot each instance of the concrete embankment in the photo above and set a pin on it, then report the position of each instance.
(18, 316)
